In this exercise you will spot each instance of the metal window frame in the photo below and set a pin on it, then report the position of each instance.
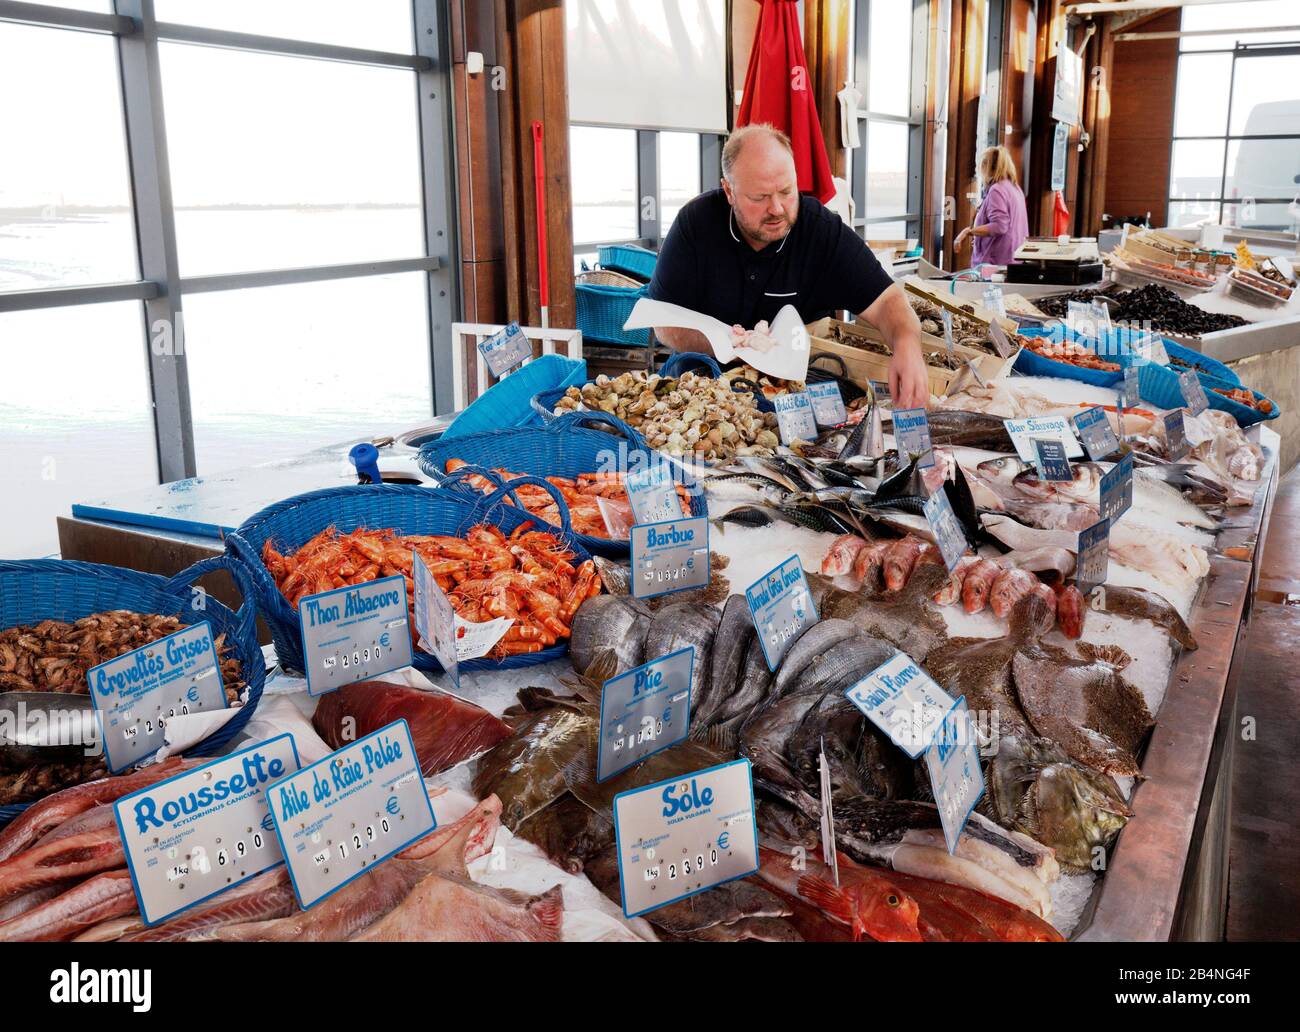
(914, 119)
(161, 288)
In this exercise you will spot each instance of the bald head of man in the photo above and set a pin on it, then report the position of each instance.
(762, 187)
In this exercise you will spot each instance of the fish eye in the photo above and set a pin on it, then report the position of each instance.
(892, 900)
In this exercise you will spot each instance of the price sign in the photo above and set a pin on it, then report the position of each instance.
(1081, 319)
(912, 434)
(1094, 556)
(795, 418)
(1175, 436)
(995, 302)
(1001, 342)
(1050, 458)
(1095, 433)
(136, 693)
(782, 609)
(1151, 348)
(903, 701)
(202, 832)
(670, 556)
(1057, 428)
(653, 494)
(682, 837)
(644, 711)
(343, 815)
(435, 620)
(1193, 392)
(1117, 490)
(1132, 386)
(946, 316)
(827, 403)
(356, 632)
(1100, 317)
(505, 349)
(948, 533)
(953, 761)
(880, 388)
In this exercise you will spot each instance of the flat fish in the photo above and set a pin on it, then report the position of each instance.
(446, 729)
(1140, 604)
(862, 761)
(762, 741)
(684, 625)
(730, 643)
(908, 617)
(1084, 705)
(614, 622)
(673, 762)
(569, 832)
(440, 909)
(106, 896)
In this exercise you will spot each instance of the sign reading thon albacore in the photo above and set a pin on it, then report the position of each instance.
(643, 711)
(505, 349)
(671, 556)
(343, 815)
(782, 609)
(682, 837)
(356, 632)
(903, 701)
(139, 691)
(912, 434)
(204, 831)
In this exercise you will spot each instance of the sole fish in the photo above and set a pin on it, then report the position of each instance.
(1140, 604)
(569, 832)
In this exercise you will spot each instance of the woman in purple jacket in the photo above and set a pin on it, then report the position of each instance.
(1001, 224)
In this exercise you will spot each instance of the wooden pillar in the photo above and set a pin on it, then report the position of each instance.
(1099, 62)
(966, 82)
(826, 46)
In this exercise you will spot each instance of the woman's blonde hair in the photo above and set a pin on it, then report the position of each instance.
(996, 164)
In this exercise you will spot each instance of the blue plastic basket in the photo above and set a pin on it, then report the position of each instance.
(508, 402)
(402, 508)
(602, 311)
(1160, 386)
(566, 448)
(1202, 363)
(628, 258)
(680, 362)
(1030, 364)
(56, 589)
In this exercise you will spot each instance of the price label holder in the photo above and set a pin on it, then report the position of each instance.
(505, 349)
(644, 711)
(995, 302)
(355, 632)
(670, 556)
(1080, 319)
(953, 761)
(1132, 386)
(1094, 556)
(682, 837)
(830, 851)
(1175, 436)
(827, 403)
(652, 493)
(880, 388)
(1001, 342)
(912, 434)
(948, 533)
(343, 815)
(435, 619)
(202, 832)
(782, 608)
(1024, 431)
(1095, 433)
(1151, 348)
(795, 418)
(1100, 317)
(136, 693)
(1193, 392)
(903, 701)
(1117, 490)
(1049, 457)
(946, 317)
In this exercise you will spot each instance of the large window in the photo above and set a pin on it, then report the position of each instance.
(225, 237)
(889, 71)
(1236, 147)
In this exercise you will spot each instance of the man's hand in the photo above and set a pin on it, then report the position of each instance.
(909, 383)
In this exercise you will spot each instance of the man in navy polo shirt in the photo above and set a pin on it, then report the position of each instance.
(740, 254)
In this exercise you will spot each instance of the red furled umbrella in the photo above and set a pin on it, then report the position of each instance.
(778, 90)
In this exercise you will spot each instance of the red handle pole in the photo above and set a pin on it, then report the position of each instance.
(539, 182)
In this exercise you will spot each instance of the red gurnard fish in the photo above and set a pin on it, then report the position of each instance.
(998, 918)
(951, 590)
(979, 581)
(840, 556)
(1008, 589)
(445, 728)
(868, 564)
(1070, 610)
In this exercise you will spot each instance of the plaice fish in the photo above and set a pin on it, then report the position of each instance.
(1140, 604)
(1034, 787)
(445, 909)
(54, 809)
(445, 729)
(100, 898)
(569, 832)
(1083, 704)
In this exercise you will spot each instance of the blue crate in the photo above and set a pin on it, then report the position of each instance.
(508, 402)
(602, 311)
(629, 259)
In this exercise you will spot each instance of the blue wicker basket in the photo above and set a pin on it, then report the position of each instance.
(566, 448)
(602, 311)
(56, 589)
(628, 258)
(403, 508)
(507, 402)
